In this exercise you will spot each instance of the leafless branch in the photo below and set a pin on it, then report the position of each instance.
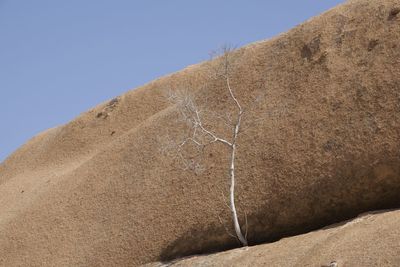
(226, 228)
(202, 135)
(246, 225)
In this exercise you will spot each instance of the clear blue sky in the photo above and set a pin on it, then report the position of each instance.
(59, 58)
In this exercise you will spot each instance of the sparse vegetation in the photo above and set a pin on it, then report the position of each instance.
(201, 135)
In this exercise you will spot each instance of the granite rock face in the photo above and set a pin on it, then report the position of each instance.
(369, 240)
(98, 191)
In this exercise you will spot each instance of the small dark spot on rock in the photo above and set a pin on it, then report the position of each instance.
(22, 191)
(331, 145)
(393, 13)
(306, 52)
(372, 44)
(336, 105)
(361, 93)
(310, 49)
(339, 40)
(112, 133)
(322, 58)
(111, 105)
(102, 114)
(113, 102)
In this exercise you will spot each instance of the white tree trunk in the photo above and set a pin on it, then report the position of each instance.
(192, 115)
(236, 224)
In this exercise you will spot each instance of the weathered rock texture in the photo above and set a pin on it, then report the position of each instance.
(370, 240)
(98, 192)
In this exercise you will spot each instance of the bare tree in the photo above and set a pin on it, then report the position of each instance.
(201, 135)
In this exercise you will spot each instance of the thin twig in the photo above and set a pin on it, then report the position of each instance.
(246, 225)
(226, 228)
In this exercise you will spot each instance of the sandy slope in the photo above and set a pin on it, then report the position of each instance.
(98, 192)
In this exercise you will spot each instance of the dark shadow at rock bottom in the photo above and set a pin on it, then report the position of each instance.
(354, 189)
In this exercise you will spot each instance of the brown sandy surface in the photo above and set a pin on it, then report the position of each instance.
(99, 192)
(369, 240)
